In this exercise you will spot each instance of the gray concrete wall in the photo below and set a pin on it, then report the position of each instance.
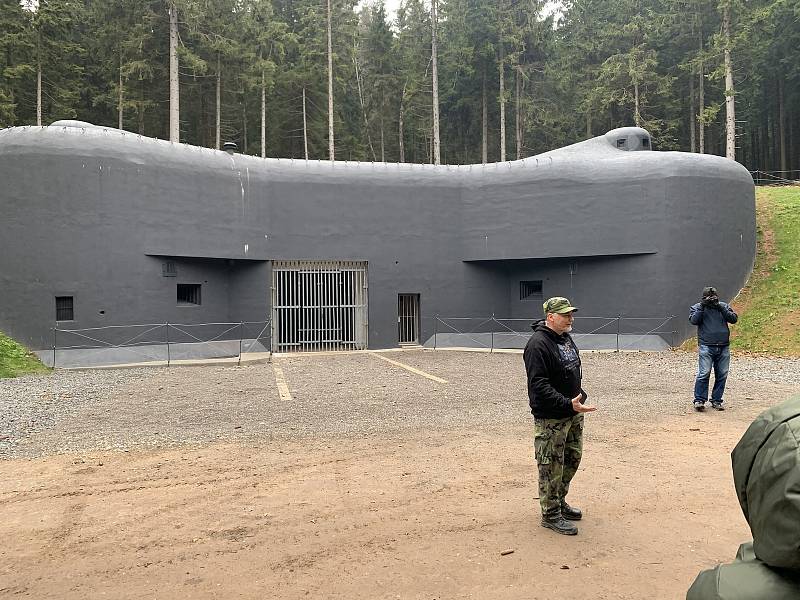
(94, 213)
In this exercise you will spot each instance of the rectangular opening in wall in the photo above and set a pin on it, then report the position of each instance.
(319, 306)
(530, 290)
(408, 319)
(168, 269)
(188, 294)
(65, 308)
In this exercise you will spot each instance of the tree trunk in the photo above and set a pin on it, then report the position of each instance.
(792, 136)
(219, 100)
(140, 108)
(518, 108)
(502, 67)
(305, 127)
(701, 100)
(435, 84)
(39, 79)
(588, 123)
(244, 125)
(730, 112)
(692, 114)
(140, 114)
(331, 144)
(174, 91)
(484, 123)
(773, 142)
(361, 101)
(782, 124)
(121, 93)
(400, 125)
(263, 116)
(383, 144)
(203, 124)
(637, 114)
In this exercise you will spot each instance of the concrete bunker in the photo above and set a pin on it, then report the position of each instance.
(117, 221)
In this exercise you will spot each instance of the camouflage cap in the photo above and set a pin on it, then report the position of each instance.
(558, 305)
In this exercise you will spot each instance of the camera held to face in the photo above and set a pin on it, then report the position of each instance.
(710, 298)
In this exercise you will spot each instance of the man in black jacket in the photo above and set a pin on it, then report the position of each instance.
(557, 401)
(713, 337)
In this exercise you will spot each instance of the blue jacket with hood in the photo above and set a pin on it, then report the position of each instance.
(712, 323)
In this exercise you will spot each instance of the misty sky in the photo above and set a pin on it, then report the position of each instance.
(391, 6)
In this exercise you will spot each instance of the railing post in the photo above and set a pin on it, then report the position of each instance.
(166, 325)
(55, 343)
(492, 347)
(241, 333)
(268, 329)
(672, 331)
(435, 329)
(619, 319)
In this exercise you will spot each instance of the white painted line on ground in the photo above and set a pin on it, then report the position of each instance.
(280, 381)
(409, 368)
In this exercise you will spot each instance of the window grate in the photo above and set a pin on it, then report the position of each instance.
(188, 293)
(408, 318)
(168, 269)
(319, 306)
(65, 308)
(530, 290)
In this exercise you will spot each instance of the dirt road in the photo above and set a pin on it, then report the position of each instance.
(416, 513)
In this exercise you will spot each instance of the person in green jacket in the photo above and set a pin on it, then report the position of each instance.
(766, 474)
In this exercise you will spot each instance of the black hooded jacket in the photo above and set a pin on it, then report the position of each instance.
(553, 366)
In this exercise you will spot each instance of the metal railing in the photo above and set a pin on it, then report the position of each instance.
(495, 333)
(160, 342)
(776, 177)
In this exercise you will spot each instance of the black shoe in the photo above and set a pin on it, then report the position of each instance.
(717, 406)
(560, 525)
(571, 513)
(699, 406)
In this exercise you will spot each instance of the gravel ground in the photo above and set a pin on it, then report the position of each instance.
(344, 395)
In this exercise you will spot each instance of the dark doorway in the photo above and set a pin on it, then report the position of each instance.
(408, 319)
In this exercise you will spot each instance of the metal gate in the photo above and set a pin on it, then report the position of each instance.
(319, 306)
(408, 318)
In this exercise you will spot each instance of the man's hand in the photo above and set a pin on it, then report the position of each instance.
(582, 408)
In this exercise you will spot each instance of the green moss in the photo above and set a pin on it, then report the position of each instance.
(16, 360)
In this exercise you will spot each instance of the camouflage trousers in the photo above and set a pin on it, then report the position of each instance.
(559, 445)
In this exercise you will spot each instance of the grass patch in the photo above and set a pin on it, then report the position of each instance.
(16, 360)
(769, 306)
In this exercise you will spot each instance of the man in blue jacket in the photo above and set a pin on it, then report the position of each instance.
(713, 338)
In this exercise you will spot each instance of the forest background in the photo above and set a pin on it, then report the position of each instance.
(508, 78)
